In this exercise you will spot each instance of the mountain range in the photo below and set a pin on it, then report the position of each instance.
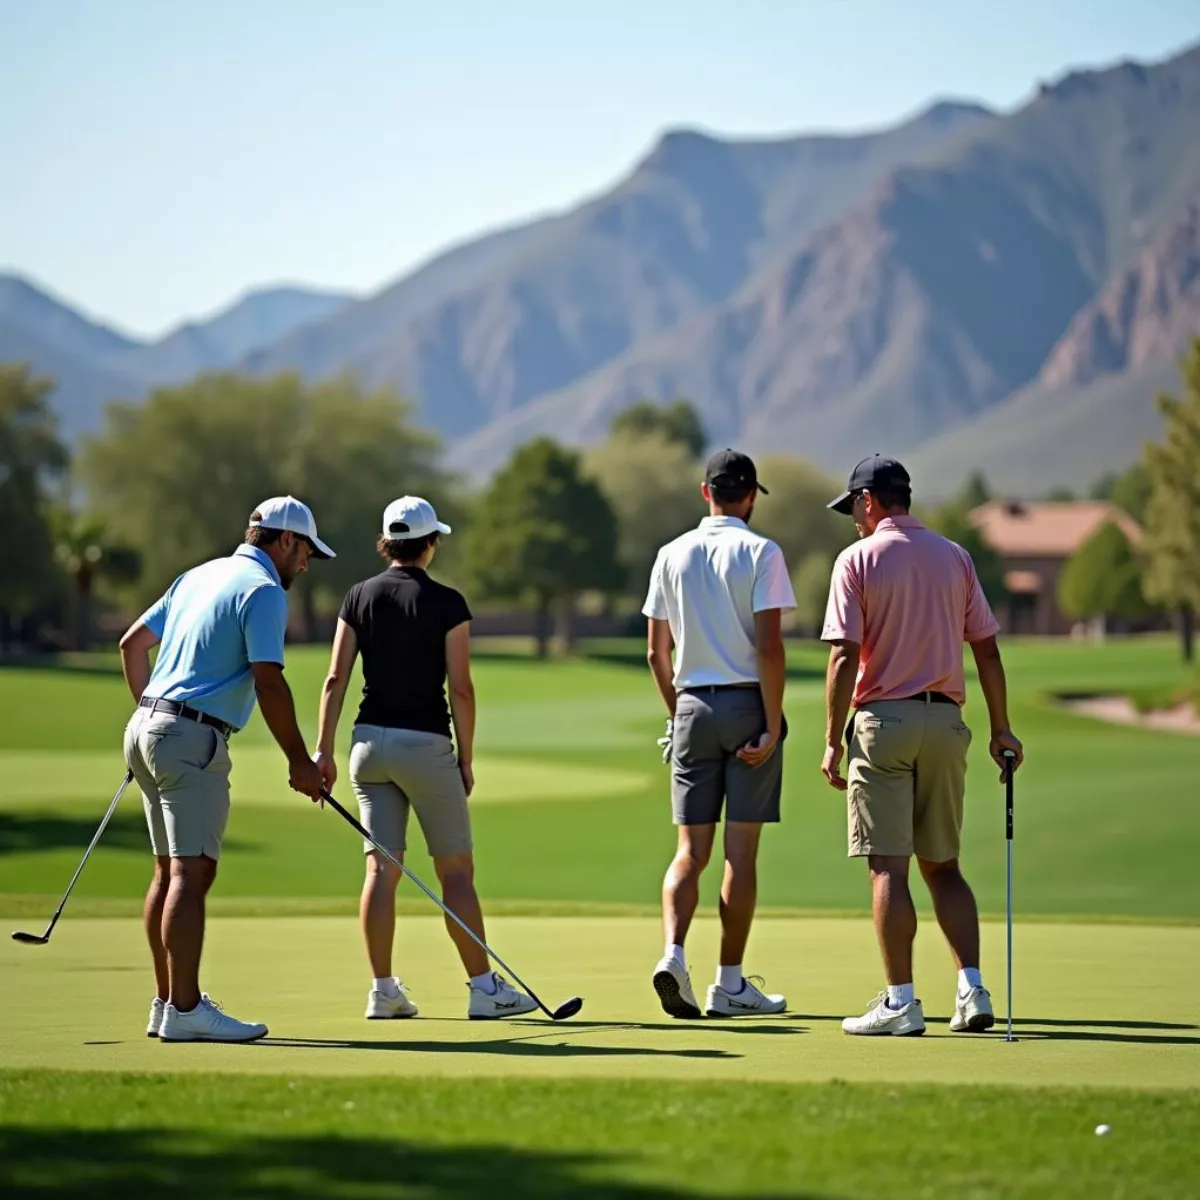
(970, 289)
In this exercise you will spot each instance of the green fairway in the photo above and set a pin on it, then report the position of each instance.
(572, 831)
(572, 802)
(306, 977)
(619, 1102)
(197, 1136)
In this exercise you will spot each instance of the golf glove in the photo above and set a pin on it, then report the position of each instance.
(665, 741)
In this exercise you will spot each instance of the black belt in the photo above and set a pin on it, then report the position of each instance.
(191, 714)
(719, 687)
(924, 697)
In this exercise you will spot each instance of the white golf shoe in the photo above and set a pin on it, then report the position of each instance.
(505, 1001)
(382, 1007)
(881, 1021)
(674, 988)
(749, 1002)
(207, 1023)
(154, 1024)
(973, 1012)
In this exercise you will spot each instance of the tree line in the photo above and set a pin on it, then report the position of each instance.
(169, 482)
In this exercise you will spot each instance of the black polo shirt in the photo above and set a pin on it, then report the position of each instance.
(401, 618)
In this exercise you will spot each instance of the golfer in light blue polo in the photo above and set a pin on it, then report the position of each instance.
(221, 627)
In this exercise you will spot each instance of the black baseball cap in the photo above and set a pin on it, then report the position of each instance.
(732, 471)
(871, 475)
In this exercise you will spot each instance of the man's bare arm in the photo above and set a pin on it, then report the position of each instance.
(772, 676)
(279, 712)
(658, 655)
(840, 676)
(135, 647)
(994, 685)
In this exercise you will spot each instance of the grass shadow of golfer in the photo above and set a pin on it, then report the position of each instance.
(64, 1161)
(1026, 1034)
(741, 1025)
(1063, 1030)
(506, 1046)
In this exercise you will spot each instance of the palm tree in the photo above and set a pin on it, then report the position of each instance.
(87, 553)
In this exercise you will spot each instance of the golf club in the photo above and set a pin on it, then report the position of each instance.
(33, 939)
(568, 1008)
(1010, 766)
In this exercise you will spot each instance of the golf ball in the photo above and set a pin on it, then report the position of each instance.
(1102, 1130)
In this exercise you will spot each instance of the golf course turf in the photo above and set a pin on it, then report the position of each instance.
(572, 834)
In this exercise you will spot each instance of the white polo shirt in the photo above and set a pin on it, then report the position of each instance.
(708, 584)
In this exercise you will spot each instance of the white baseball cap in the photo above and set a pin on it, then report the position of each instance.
(286, 512)
(411, 517)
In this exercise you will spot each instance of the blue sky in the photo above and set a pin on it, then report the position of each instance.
(160, 157)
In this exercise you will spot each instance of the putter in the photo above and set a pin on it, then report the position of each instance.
(32, 939)
(1010, 761)
(568, 1008)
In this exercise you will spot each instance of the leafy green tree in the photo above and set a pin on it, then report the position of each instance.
(794, 514)
(1103, 578)
(954, 522)
(353, 452)
(1172, 517)
(177, 477)
(1061, 495)
(810, 582)
(541, 533)
(88, 555)
(653, 486)
(675, 422)
(974, 492)
(1131, 492)
(31, 458)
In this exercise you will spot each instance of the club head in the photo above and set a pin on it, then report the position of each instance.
(568, 1008)
(30, 939)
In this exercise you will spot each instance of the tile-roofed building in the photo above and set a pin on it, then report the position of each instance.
(1034, 540)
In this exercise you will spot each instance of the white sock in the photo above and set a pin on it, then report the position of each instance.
(730, 978)
(968, 978)
(387, 987)
(485, 983)
(676, 952)
(900, 994)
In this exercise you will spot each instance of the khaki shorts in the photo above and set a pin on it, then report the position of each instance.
(907, 777)
(183, 770)
(394, 770)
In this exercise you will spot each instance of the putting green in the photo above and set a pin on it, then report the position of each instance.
(1097, 1005)
(259, 778)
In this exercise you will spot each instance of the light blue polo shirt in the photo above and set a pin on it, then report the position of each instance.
(214, 621)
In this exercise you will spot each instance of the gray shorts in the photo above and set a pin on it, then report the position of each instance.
(393, 770)
(706, 774)
(183, 770)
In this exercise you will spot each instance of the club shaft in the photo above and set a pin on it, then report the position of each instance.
(112, 807)
(1010, 946)
(361, 829)
(1008, 844)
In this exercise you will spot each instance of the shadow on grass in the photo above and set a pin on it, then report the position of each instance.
(120, 1163)
(1085, 1035)
(516, 1047)
(741, 1025)
(1061, 1030)
(21, 833)
(65, 664)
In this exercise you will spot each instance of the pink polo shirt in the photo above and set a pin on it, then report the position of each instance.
(910, 598)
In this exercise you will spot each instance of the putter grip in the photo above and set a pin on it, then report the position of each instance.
(1010, 766)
